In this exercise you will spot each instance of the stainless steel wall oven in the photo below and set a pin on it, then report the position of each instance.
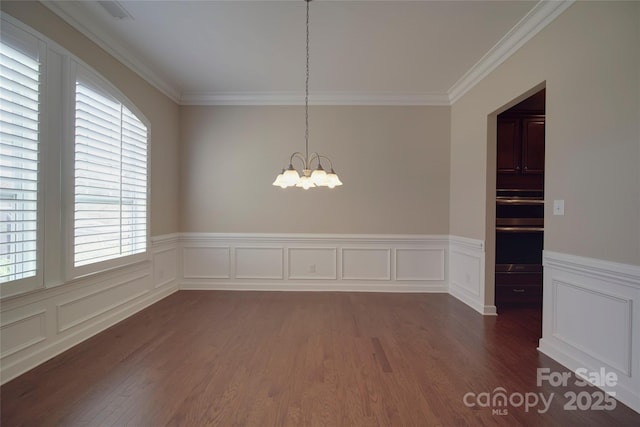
(519, 243)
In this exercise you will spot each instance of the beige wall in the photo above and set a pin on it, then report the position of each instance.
(394, 162)
(590, 61)
(405, 169)
(160, 110)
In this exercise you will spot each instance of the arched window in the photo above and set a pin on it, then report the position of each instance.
(110, 175)
(72, 145)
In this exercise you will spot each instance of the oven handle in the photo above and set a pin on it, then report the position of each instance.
(501, 201)
(520, 229)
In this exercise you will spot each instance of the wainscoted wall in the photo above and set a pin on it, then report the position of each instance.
(42, 324)
(466, 282)
(380, 263)
(591, 319)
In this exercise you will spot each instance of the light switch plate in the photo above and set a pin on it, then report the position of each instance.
(558, 207)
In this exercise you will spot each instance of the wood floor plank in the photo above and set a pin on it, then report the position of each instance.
(212, 358)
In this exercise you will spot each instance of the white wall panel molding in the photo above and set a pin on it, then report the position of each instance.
(420, 264)
(466, 278)
(366, 263)
(206, 262)
(343, 262)
(165, 266)
(312, 263)
(82, 308)
(594, 308)
(260, 263)
(73, 286)
(590, 319)
(37, 326)
(21, 333)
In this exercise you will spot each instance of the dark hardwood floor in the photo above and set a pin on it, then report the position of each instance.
(208, 358)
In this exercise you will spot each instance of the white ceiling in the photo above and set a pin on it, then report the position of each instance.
(387, 52)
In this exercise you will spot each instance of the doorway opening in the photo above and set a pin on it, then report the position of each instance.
(519, 226)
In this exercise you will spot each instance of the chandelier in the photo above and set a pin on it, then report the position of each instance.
(309, 178)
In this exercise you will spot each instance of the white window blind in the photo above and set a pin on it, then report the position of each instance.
(110, 202)
(19, 129)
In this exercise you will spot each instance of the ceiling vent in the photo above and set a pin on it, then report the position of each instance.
(115, 9)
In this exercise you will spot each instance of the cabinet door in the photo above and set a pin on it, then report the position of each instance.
(533, 146)
(509, 153)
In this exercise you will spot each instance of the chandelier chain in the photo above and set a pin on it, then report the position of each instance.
(290, 177)
(306, 92)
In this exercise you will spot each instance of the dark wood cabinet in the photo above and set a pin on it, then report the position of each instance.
(518, 294)
(520, 151)
(532, 145)
(518, 287)
(509, 146)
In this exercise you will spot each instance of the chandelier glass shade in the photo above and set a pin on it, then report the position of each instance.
(313, 174)
(309, 178)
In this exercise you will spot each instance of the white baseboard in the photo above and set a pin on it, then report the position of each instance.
(590, 319)
(486, 310)
(314, 287)
(309, 262)
(40, 325)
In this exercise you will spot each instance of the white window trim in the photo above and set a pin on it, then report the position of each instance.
(56, 174)
(79, 70)
(23, 39)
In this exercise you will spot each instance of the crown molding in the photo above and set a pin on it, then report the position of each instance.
(542, 14)
(318, 98)
(80, 21)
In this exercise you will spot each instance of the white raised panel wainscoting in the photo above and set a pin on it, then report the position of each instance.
(591, 319)
(590, 314)
(467, 267)
(315, 262)
(39, 325)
